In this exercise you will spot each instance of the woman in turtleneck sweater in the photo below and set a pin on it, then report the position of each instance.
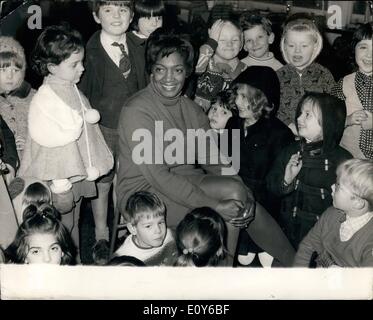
(145, 163)
(304, 172)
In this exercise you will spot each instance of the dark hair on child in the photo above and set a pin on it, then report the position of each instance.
(126, 261)
(7, 58)
(95, 5)
(226, 99)
(200, 238)
(41, 219)
(249, 21)
(147, 9)
(332, 112)
(363, 32)
(54, 45)
(36, 193)
(143, 203)
(161, 43)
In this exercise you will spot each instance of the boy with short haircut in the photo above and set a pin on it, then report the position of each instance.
(113, 72)
(258, 35)
(218, 64)
(150, 240)
(343, 236)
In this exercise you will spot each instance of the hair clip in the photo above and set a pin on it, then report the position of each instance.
(186, 251)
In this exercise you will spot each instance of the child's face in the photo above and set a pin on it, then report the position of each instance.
(70, 69)
(257, 41)
(10, 78)
(218, 116)
(230, 43)
(242, 103)
(150, 231)
(343, 198)
(299, 48)
(43, 248)
(114, 19)
(148, 24)
(308, 124)
(363, 56)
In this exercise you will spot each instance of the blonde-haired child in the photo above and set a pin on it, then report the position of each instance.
(343, 236)
(356, 89)
(150, 240)
(218, 64)
(16, 93)
(301, 43)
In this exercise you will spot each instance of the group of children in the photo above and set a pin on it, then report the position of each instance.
(298, 165)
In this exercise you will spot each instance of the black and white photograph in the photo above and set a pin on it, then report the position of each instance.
(198, 152)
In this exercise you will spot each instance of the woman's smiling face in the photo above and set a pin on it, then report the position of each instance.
(169, 75)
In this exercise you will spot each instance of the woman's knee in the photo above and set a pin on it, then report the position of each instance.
(235, 189)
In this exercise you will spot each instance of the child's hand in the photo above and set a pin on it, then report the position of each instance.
(356, 118)
(214, 31)
(367, 124)
(20, 143)
(293, 167)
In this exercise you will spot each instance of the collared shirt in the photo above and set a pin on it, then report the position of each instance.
(352, 225)
(114, 52)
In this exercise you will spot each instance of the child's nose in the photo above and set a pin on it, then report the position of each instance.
(9, 74)
(297, 49)
(116, 13)
(46, 257)
(333, 188)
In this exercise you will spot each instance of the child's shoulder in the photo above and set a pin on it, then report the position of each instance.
(94, 41)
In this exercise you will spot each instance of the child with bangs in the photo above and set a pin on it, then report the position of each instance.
(258, 36)
(304, 171)
(150, 240)
(356, 89)
(148, 16)
(301, 43)
(15, 92)
(114, 71)
(343, 236)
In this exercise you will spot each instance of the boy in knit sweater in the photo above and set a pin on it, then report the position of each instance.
(343, 236)
(218, 64)
(258, 36)
(150, 240)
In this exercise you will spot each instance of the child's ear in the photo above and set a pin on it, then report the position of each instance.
(131, 228)
(271, 38)
(359, 203)
(96, 18)
(51, 68)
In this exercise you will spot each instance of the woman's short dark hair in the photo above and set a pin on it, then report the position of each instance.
(147, 9)
(161, 43)
(363, 32)
(54, 45)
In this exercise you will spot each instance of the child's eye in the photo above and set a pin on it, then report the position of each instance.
(180, 70)
(123, 10)
(34, 251)
(55, 248)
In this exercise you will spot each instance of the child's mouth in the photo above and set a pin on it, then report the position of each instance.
(297, 58)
